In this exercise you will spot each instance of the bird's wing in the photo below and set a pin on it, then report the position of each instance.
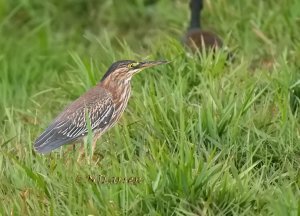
(71, 124)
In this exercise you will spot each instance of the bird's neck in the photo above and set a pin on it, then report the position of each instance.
(195, 8)
(120, 91)
(117, 87)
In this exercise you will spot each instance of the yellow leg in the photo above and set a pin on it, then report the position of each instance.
(98, 156)
(70, 149)
(81, 153)
(94, 145)
(96, 137)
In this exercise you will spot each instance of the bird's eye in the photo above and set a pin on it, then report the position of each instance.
(132, 65)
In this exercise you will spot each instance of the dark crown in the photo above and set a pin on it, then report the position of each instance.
(115, 66)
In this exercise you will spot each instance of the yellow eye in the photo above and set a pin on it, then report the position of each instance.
(132, 65)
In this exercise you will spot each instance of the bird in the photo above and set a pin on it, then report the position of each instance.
(98, 109)
(195, 38)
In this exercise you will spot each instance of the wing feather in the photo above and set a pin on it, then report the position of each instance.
(71, 124)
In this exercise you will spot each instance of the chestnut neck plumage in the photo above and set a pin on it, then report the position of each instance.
(118, 85)
(120, 90)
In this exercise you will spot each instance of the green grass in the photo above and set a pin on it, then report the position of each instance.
(203, 138)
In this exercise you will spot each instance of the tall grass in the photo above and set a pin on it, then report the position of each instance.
(197, 138)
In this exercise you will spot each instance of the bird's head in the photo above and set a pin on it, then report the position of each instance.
(125, 69)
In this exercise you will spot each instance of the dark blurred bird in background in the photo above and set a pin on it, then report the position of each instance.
(100, 108)
(197, 39)
(295, 97)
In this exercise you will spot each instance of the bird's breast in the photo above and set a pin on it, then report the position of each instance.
(120, 98)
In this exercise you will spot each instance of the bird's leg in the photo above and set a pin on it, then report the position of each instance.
(94, 146)
(71, 148)
(98, 156)
(82, 150)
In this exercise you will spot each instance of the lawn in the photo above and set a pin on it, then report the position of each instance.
(199, 137)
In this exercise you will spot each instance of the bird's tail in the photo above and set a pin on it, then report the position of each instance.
(50, 140)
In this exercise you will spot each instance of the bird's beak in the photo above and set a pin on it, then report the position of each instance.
(148, 64)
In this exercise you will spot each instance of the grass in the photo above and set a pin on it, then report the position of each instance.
(198, 137)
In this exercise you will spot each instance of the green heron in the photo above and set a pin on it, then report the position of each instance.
(196, 38)
(102, 104)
